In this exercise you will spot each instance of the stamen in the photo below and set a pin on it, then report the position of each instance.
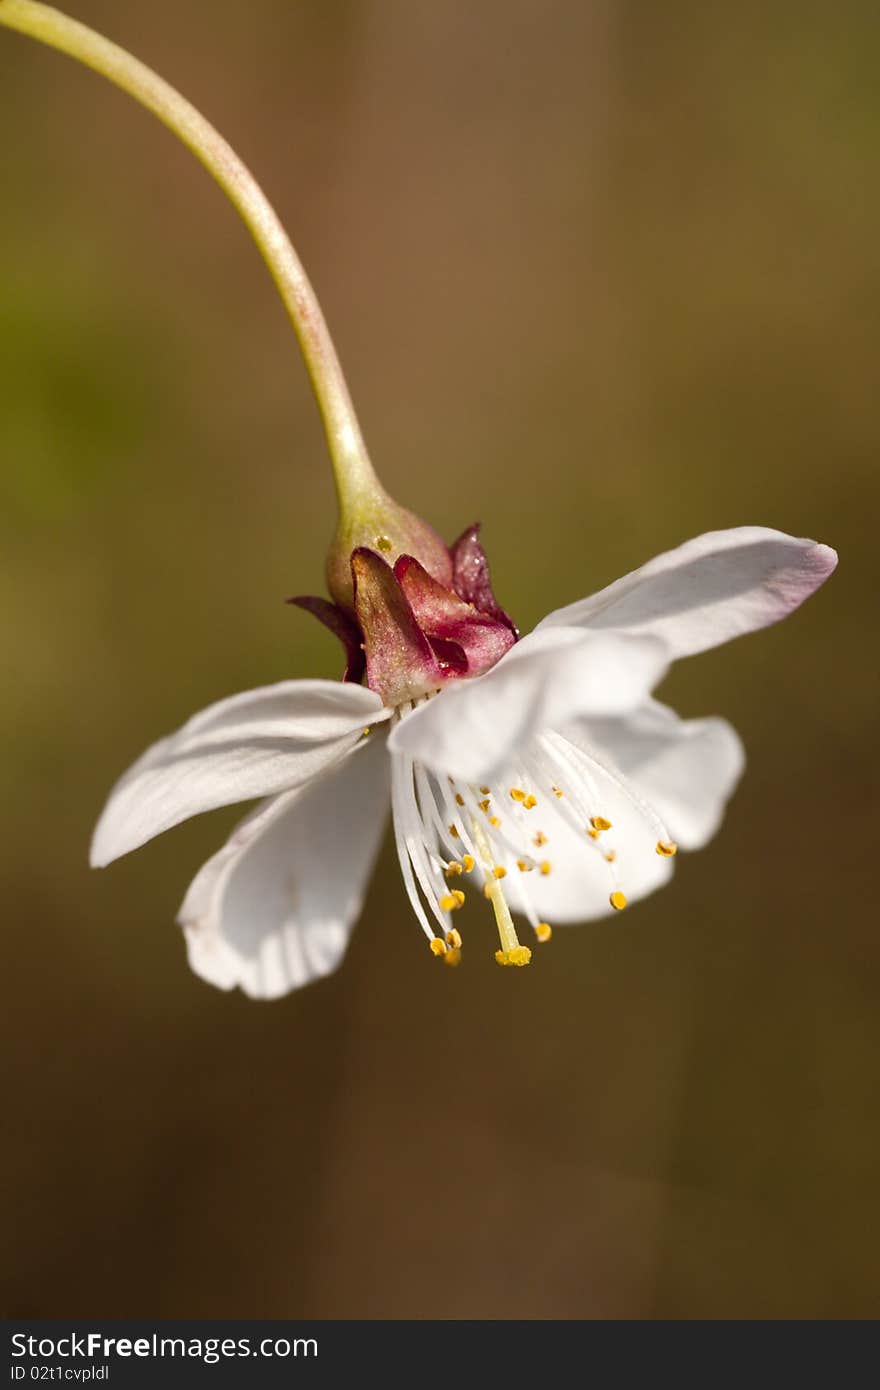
(415, 866)
(431, 816)
(585, 755)
(451, 902)
(556, 755)
(511, 843)
(445, 832)
(463, 836)
(553, 751)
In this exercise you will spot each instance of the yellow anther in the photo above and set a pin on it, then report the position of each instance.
(593, 834)
(540, 838)
(667, 848)
(459, 798)
(501, 957)
(484, 805)
(525, 866)
(468, 863)
(543, 931)
(610, 855)
(618, 901)
(451, 901)
(517, 793)
(485, 791)
(452, 957)
(453, 832)
(365, 731)
(499, 871)
(383, 543)
(530, 802)
(545, 866)
(438, 946)
(453, 939)
(556, 791)
(494, 821)
(520, 955)
(600, 823)
(453, 868)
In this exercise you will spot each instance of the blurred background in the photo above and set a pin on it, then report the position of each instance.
(604, 275)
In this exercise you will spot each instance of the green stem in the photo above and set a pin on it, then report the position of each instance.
(352, 469)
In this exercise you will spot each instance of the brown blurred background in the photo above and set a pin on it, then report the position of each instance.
(604, 275)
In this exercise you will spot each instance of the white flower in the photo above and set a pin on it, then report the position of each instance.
(552, 781)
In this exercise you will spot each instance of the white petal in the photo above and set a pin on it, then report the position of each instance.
(275, 907)
(685, 768)
(472, 729)
(255, 744)
(709, 590)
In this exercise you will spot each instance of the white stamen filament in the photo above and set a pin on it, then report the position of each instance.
(407, 851)
(439, 822)
(584, 753)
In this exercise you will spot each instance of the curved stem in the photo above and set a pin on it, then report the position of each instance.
(352, 469)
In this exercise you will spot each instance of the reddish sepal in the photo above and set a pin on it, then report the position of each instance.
(470, 577)
(401, 664)
(341, 625)
(441, 614)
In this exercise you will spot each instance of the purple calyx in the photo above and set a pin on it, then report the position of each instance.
(413, 634)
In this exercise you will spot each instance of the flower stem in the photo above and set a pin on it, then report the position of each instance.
(352, 469)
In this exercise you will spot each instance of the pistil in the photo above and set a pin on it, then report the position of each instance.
(511, 952)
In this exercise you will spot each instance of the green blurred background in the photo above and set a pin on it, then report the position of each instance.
(604, 275)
